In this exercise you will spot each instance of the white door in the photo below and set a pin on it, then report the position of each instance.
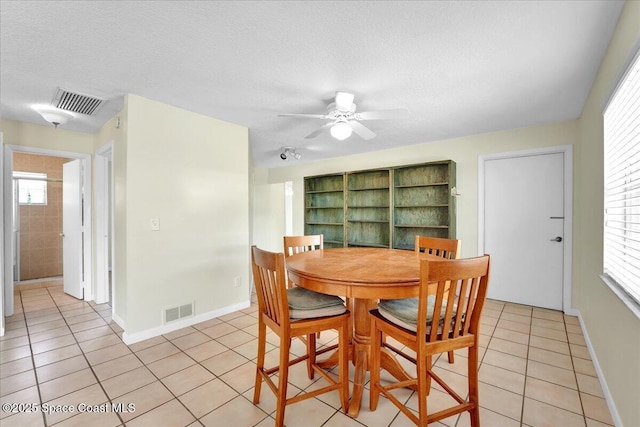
(72, 248)
(523, 228)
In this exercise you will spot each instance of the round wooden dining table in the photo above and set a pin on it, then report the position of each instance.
(365, 275)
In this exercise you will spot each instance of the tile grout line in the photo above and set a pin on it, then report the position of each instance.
(73, 334)
(526, 371)
(575, 374)
(33, 362)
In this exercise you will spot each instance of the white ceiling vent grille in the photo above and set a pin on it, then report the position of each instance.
(77, 102)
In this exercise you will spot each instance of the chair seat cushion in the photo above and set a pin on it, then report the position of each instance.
(404, 312)
(306, 304)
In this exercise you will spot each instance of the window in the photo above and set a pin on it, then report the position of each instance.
(31, 188)
(622, 185)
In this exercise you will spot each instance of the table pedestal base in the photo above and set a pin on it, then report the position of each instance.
(359, 353)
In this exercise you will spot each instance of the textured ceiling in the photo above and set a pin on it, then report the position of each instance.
(460, 68)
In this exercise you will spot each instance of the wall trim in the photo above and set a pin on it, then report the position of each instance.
(174, 326)
(615, 416)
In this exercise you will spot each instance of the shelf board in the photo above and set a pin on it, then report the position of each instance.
(334, 242)
(420, 226)
(368, 207)
(324, 207)
(404, 247)
(423, 206)
(369, 220)
(368, 188)
(324, 191)
(326, 223)
(433, 184)
(371, 245)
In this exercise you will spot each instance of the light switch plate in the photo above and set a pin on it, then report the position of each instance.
(155, 224)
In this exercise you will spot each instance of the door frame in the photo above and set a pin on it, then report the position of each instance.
(104, 207)
(567, 151)
(8, 152)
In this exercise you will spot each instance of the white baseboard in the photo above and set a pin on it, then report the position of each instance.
(183, 323)
(572, 312)
(603, 383)
(117, 319)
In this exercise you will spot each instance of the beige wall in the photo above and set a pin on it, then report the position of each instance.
(268, 212)
(192, 173)
(41, 225)
(464, 151)
(613, 329)
(45, 137)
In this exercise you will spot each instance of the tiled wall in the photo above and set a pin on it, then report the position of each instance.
(40, 226)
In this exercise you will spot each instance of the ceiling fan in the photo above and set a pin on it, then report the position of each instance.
(344, 120)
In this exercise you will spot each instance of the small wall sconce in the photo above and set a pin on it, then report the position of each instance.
(288, 153)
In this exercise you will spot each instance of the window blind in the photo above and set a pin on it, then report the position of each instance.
(622, 184)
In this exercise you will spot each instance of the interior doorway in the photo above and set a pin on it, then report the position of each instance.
(11, 243)
(37, 216)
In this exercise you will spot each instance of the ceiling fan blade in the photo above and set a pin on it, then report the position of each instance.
(382, 114)
(362, 131)
(319, 130)
(344, 101)
(306, 116)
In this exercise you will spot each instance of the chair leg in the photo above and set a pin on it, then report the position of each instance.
(429, 366)
(450, 354)
(311, 353)
(423, 366)
(343, 376)
(262, 339)
(283, 374)
(374, 379)
(472, 368)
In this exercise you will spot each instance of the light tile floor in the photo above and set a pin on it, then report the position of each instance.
(535, 371)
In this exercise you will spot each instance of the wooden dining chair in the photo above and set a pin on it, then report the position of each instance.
(292, 313)
(296, 244)
(444, 317)
(445, 248)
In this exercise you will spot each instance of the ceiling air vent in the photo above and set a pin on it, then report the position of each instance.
(77, 102)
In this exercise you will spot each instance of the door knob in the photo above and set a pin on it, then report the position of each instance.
(557, 239)
(61, 234)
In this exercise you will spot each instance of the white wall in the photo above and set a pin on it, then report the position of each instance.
(612, 328)
(192, 173)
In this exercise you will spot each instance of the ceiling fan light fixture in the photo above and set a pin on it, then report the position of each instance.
(341, 131)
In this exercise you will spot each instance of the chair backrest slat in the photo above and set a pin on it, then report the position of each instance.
(444, 248)
(269, 278)
(458, 288)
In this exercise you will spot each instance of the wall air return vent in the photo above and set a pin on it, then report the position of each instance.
(171, 314)
(77, 102)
